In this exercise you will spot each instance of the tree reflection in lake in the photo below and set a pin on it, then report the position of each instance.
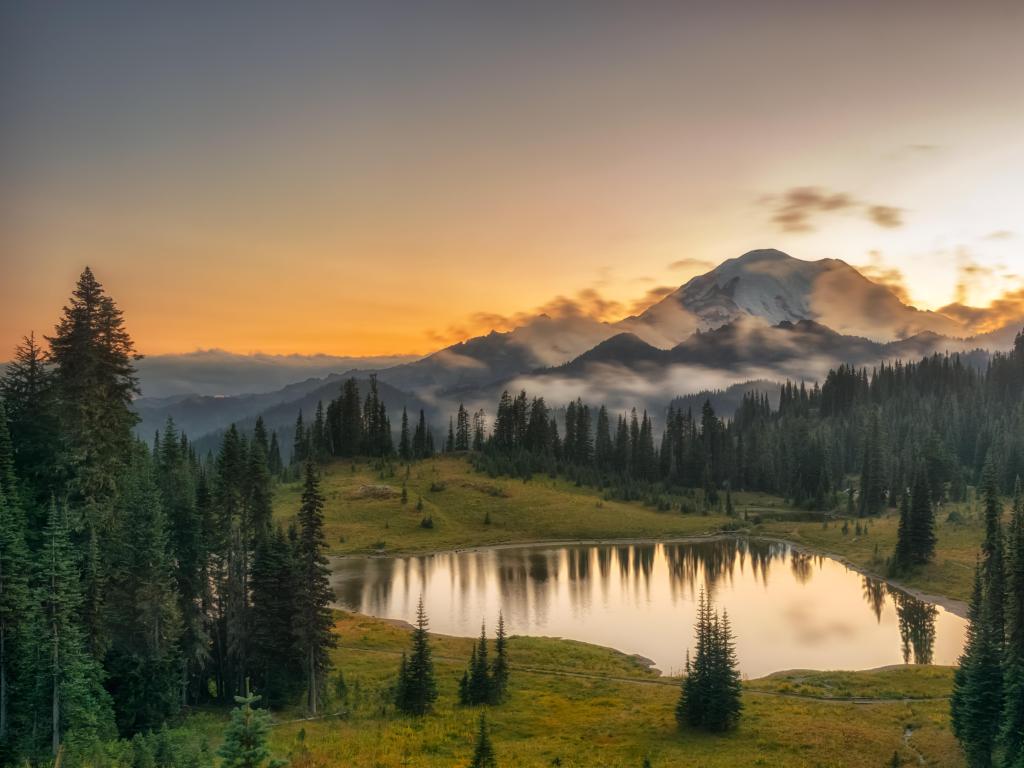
(789, 609)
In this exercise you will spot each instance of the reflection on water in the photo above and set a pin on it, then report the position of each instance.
(789, 609)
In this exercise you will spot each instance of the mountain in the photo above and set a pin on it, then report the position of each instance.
(540, 342)
(217, 372)
(199, 415)
(775, 287)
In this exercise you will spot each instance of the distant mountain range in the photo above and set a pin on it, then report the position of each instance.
(764, 316)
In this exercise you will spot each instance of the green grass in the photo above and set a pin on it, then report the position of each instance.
(363, 511)
(951, 574)
(573, 704)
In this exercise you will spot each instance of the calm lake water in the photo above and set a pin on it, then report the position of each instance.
(789, 610)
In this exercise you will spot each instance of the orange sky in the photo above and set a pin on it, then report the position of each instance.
(365, 182)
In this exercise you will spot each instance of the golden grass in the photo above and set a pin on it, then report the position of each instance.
(572, 704)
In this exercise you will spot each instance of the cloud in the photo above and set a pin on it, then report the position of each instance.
(691, 265)
(652, 297)
(886, 216)
(999, 234)
(1008, 309)
(796, 209)
(887, 276)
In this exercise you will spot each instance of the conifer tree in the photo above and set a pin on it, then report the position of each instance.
(28, 394)
(976, 703)
(313, 592)
(300, 443)
(483, 753)
(903, 556)
(922, 520)
(69, 703)
(449, 445)
(94, 380)
(462, 437)
(274, 457)
(1012, 736)
(14, 603)
(143, 662)
(499, 670)
(872, 481)
(245, 740)
(404, 446)
(710, 698)
(276, 665)
(417, 689)
(476, 684)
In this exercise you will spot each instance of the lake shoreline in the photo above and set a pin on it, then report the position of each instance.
(952, 605)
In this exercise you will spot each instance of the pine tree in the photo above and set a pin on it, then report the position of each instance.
(143, 663)
(274, 463)
(276, 665)
(68, 700)
(404, 446)
(28, 393)
(301, 441)
(475, 687)
(313, 593)
(245, 740)
(499, 670)
(872, 481)
(922, 521)
(710, 698)
(14, 603)
(462, 429)
(903, 556)
(94, 383)
(483, 753)
(976, 703)
(417, 689)
(1012, 736)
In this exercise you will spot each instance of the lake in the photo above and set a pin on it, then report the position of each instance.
(789, 609)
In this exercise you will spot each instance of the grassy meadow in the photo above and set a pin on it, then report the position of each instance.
(364, 513)
(582, 706)
(574, 704)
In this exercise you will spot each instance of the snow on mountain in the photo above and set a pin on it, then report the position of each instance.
(775, 287)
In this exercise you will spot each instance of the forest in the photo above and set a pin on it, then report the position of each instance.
(139, 579)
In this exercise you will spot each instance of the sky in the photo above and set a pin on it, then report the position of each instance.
(378, 178)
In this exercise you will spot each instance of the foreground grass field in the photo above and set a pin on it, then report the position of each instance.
(573, 704)
(364, 513)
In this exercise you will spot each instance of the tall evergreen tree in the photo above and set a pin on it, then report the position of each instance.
(1012, 737)
(483, 753)
(94, 382)
(977, 700)
(922, 520)
(710, 698)
(143, 662)
(14, 605)
(404, 446)
(417, 688)
(313, 592)
(500, 670)
(69, 702)
(276, 665)
(28, 394)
